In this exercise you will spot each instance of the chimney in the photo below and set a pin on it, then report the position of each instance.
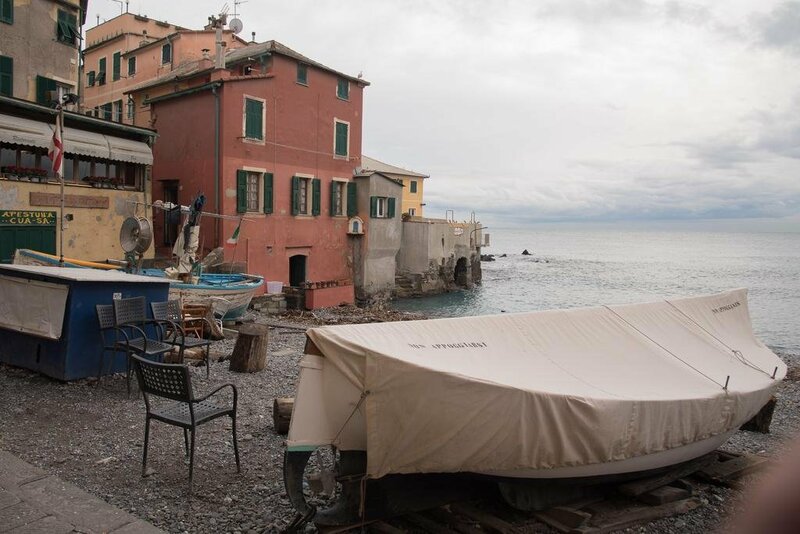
(253, 40)
(144, 38)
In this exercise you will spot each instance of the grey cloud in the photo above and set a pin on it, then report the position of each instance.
(781, 27)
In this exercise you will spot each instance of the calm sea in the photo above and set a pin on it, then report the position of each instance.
(569, 268)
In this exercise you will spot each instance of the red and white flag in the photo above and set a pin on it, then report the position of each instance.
(56, 152)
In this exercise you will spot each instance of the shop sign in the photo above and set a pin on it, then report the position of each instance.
(27, 218)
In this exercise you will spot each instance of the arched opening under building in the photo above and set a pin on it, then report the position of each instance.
(297, 270)
(460, 272)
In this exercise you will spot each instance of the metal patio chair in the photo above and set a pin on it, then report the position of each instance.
(130, 318)
(171, 311)
(174, 382)
(105, 319)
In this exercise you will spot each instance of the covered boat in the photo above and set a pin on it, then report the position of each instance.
(561, 394)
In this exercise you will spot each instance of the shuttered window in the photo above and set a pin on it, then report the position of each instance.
(7, 11)
(337, 198)
(67, 28)
(295, 195)
(316, 193)
(90, 76)
(45, 88)
(106, 111)
(413, 187)
(253, 119)
(268, 196)
(390, 207)
(382, 207)
(6, 76)
(116, 66)
(241, 191)
(341, 138)
(352, 199)
(101, 71)
(131, 66)
(302, 73)
(343, 89)
(166, 53)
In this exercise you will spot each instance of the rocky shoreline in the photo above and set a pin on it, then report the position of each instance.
(92, 435)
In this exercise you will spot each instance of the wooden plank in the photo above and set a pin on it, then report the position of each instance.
(664, 494)
(638, 487)
(37, 198)
(563, 518)
(642, 514)
(489, 522)
(459, 524)
(726, 471)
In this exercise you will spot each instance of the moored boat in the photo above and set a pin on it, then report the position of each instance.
(582, 394)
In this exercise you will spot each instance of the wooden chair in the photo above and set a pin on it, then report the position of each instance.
(173, 382)
(170, 312)
(130, 318)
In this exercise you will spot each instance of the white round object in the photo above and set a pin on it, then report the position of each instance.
(235, 25)
(136, 235)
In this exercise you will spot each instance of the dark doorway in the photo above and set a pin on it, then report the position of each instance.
(297, 270)
(172, 218)
(460, 273)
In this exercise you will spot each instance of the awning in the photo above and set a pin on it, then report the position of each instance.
(128, 150)
(26, 132)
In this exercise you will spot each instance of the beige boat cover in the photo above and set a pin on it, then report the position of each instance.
(555, 388)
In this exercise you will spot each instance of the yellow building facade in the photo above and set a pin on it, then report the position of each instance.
(413, 202)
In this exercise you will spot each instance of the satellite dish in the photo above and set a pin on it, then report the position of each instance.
(136, 235)
(235, 25)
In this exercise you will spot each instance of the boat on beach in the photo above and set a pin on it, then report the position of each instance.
(583, 394)
(228, 294)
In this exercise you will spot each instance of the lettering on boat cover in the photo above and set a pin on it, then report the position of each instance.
(70, 201)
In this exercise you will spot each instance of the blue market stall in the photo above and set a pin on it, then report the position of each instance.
(48, 321)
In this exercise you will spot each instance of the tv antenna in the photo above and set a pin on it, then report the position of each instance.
(235, 24)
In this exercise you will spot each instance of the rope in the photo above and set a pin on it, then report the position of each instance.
(737, 353)
(664, 348)
(355, 409)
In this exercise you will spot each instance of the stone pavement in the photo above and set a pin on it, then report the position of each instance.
(33, 501)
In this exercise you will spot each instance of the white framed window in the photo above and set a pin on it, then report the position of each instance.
(341, 139)
(305, 195)
(253, 118)
(253, 191)
(382, 207)
(338, 197)
(412, 211)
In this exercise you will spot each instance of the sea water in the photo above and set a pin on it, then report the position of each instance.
(570, 268)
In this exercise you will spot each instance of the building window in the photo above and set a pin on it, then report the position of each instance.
(343, 89)
(6, 76)
(302, 73)
(166, 53)
(412, 211)
(381, 207)
(116, 67)
(253, 178)
(338, 198)
(253, 191)
(90, 77)
(341, 139)
(305, 196)
(101, 71)
(131, 107)
(253, 119)
(106, 111)
(117, 111)
(131, 66)
(413, 186)
(67, 28)
(7, 11)
(46, 90)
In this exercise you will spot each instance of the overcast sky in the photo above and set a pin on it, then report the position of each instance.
(563, 110)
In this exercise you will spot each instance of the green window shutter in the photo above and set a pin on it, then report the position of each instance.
(302, 73)
(131, 66)
(334, 186)
(43, 87)
(166, 53)
(341, 139)
(101, 71)
(7, 11)
(254, 112)
(343, 89)
(90, 78)
(295, 195)
(352, 199)
(373, 207)
(6, 76)
(241, 191)
(115, 65)
(315, 196)
(268, 192)
(390, 207)
(413, 186)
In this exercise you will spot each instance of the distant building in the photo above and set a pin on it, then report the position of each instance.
(39, 48)
(273, 136)
(105, 166)
(413, 184)
(130, 50)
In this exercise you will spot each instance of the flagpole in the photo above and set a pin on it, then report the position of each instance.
(60, 176)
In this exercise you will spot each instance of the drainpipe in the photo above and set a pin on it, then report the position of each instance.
(216, 164)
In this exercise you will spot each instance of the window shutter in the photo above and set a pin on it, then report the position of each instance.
(254, 110)
(316, 196)
(241, 191)
(373, 207)
(131, 66)
(268, 192)
(390, 207)
(101, 71)
(7, 11)
(90, 78)
(166, 53)
(413, 187)
(43, 86)
(332, 207)
(115, 65)
(6, 76)
(341, 139)
(352, 199)
(295, 195)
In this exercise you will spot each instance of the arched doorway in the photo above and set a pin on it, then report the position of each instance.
(297, 270)
(460, 272)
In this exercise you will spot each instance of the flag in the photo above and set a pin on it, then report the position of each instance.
(56, 152)
(235, 237)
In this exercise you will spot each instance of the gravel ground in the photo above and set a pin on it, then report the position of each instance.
(92, 436)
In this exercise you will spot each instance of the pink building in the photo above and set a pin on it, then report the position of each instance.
(273, 137)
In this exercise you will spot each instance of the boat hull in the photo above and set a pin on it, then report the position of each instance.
(229, 302)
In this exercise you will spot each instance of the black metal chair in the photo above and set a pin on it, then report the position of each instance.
(130, 318)
(171, 311)
(105, 319)
(173, 382)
